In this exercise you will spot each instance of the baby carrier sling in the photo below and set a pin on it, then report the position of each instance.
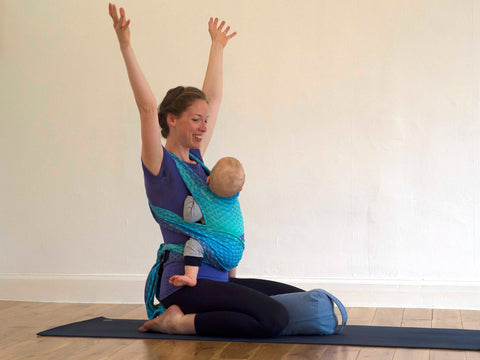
(221, 236)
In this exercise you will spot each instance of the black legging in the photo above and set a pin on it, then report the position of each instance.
(237, 308)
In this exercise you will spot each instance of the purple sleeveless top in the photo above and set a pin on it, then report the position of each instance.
(167, 190)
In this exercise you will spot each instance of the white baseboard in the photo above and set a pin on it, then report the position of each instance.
(352, 292)
(126, 289)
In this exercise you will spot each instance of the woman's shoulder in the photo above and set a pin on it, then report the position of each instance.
(167, 165)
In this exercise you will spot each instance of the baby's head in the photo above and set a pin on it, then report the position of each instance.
(227, 177)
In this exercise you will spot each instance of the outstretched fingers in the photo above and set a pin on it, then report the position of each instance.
(213, 23)
(112, 10)
(225, 32)
(122, 16)
(218, 33)
(119, 23)
(231, 35)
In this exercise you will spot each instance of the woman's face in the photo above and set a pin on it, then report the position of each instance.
(191, 126)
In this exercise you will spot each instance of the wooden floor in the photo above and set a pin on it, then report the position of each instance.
(20, 321)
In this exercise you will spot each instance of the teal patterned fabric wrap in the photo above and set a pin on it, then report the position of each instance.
(219, 213)
(153, 280)
(221, 236)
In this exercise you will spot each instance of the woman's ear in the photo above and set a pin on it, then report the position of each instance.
(171, 120)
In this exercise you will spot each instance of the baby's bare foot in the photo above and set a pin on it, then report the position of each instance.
(181, 280)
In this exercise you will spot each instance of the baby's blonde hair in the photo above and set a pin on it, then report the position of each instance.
(227, 177)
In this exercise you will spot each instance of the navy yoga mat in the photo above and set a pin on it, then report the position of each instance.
(381, 336)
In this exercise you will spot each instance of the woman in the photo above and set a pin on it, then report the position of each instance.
(220, 304)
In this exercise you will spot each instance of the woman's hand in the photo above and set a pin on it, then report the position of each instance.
(121, 25)
(218, 34)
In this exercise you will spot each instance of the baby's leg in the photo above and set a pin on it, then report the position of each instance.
(192, 256)
(189, 279)
(193, 253)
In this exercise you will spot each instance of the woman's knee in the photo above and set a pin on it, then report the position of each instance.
(275, 320)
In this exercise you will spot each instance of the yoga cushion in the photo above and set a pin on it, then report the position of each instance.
(312, 313)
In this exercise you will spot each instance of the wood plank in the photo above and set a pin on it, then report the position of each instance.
(375, 353)
(412, 354)
(23, 312)
(448, 319)
(388, 317)
(180, 350)
(472, 355)
(417, 318)
(135, 350)
(4, 304)
(239, 350)
(341, 353)
(106, 310)
(447, 355)
(153, 349)
(21, 322)
(84, 348)
(29, 349)
(271, 351)
(204, 350)
(305, 352)
(360, 315)
(137, 312)
(470, 319)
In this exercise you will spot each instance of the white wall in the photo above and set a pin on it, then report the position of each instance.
(356, 121)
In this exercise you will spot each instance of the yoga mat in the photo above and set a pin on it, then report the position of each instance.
(381, 336)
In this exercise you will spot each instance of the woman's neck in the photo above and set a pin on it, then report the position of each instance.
(181, 152)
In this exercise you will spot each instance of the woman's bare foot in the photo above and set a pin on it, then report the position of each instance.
(180, 280)
(172, 321)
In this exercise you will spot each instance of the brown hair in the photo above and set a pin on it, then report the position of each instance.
(176, 102)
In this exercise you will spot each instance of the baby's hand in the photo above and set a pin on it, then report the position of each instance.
(182, 280)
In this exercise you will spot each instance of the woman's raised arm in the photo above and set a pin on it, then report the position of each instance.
(152, 151)
(213, 83)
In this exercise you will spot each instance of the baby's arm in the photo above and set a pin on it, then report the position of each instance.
(191, 210)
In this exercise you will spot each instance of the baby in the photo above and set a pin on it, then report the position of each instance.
(226, 180)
